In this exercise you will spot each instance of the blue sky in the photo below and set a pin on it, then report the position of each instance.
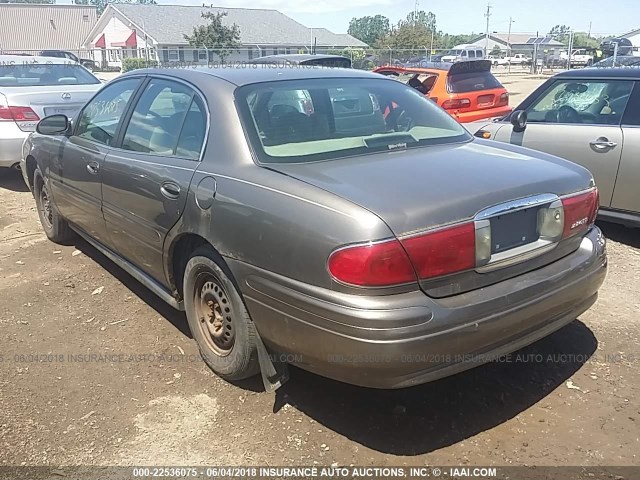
(459, 16)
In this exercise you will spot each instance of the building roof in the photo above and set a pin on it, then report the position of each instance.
(167, 24)
(39, 27)
(521, 39)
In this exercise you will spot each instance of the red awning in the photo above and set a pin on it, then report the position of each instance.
(130, 42)
(101, 43)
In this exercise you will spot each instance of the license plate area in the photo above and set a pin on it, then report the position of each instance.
(68, 111)
(509, 233)
(514, 229)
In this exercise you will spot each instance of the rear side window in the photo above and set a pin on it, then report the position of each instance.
(157, 119)
(472, 82)
(193, 131)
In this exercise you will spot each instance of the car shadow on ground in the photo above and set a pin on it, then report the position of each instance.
(619, 233)
(11, 179)
(176, 318)
(428, 417)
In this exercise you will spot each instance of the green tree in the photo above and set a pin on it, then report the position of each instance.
(216, 36)
(414, 32)
(369, 29)
(102, 4)
(583, 40)
(495, 51)
(560, 33)
(420, 18)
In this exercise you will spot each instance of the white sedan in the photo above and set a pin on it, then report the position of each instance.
(32, 88)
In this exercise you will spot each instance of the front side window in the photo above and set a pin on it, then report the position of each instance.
(157, 118)
(99, 120)
(321, 119)
(600, 102)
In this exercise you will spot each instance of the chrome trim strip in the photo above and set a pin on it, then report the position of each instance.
(517, 255)
(515, 205)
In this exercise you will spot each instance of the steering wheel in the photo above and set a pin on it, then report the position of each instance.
(567, 114)
(404, 123)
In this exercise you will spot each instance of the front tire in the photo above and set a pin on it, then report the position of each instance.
(54, 225)
(218, 318)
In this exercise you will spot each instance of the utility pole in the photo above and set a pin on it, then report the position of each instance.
(509, 44)
(589, 34)
(486, 42)
(415, 14)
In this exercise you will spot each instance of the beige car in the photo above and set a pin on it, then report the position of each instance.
(591, 117)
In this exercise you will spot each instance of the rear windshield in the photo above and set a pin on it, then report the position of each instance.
(309, 120)
(472, 82)
(44, 74)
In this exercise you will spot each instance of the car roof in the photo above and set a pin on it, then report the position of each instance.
(32, 59)
(599, 72)
(257, 73)
(298, 57)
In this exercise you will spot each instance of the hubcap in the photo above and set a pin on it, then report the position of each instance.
(45, 206)
(214, 314)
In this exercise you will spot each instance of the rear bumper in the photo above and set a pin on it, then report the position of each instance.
(11, 140)
(466, 117)
(401, 340)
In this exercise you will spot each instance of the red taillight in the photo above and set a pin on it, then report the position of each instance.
(372, 265)
(18, 114)
(504, 100)
(444, 251)
(456, 103)
(580, 212)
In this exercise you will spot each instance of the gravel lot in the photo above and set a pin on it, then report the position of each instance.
(96, 370)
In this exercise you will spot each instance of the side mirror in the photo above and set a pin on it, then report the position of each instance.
(53, 125)
(519, 121)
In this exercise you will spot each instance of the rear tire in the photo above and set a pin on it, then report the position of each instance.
(218, 318)
(54, 225)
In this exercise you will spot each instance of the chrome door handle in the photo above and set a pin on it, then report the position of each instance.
(93, 168)
(170, 190)
(603, 143)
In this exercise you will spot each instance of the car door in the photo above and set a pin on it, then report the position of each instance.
(625, 193)
(578, 120)
(146, 179)
(77, 189)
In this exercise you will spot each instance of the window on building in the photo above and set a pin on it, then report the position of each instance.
(202, 55)
(174, 56)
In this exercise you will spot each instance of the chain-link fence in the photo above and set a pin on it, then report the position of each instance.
(503, 61)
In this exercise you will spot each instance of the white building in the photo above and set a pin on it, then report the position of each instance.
(157, 32)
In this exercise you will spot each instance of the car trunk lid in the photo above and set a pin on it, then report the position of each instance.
(424, 189)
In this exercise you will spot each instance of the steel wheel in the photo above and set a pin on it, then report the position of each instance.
(45, 207)
(214, 313)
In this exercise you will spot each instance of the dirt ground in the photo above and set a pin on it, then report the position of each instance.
(96, 370)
